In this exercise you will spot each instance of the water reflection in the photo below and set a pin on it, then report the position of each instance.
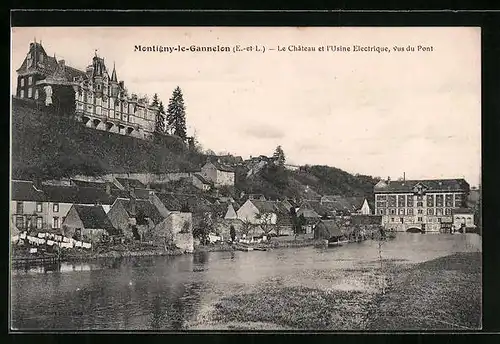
(167, 292)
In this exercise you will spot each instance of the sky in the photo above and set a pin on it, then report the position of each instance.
(381, 114)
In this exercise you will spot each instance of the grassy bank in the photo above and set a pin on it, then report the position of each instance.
(227, 247)
(444, 293)
(441, 294)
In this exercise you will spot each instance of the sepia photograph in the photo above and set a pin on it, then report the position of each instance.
(245, 179)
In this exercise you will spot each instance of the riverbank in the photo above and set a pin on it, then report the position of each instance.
(271, 244)
(443, 293)
(20, 257)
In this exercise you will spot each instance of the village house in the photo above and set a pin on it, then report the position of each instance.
(135, 218)
(45, 206)
(177, 230)
(311, 218)
(201, 183)
(424, 205)
(89, 223)
(328, 230)
(218, 174)
(258, 212)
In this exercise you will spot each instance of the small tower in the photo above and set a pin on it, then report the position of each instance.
(115, 87)
(98, 70)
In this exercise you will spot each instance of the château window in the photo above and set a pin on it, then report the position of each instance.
(401, 211)
(439, 211)
(55, 222)
(55, 207)
(22, 82)
(36, 94)
(420, 211)
(419, 219)
(420, 204)
(392, 219)
(381, 211)
(392, 211)
(447, 211)
(410, 211)
(22, 94)
(20, 221)
(30, 80)
(30, 92)
(430, 211)
(39, 207)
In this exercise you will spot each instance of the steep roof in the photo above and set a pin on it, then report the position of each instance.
(221, 167)
(308, 213)
(25, 191)
(84, 183)
(143, 208)
(265, 206)
(133, 183)
(459, 185)
(77, 195)
(170, 201)
(94, 217)
(329, 226)
(201, 179)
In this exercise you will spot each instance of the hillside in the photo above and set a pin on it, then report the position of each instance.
(50, 146)
(46, 145)
(310, 183)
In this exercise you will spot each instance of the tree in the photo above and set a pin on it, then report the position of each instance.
(156, 100)
(279, 155)
(246, 226)
(232, 233)
(160, 119)
(201, 231)
(266, 222)
(176, 114)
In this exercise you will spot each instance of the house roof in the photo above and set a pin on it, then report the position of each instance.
(143, 208)
(25, 191)
(331, 227)
(84, 183)
(265, 206)
(170, 201)
(458, 185)
(308, 213)
(133, 183)
(94, 217)
(77, 195)
(201, 179)
(221, 167)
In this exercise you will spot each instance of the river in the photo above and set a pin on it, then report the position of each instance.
(175, 293)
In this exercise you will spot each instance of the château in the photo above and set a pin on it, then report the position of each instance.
(96, 97)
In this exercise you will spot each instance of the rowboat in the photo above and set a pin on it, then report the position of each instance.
(338, 242)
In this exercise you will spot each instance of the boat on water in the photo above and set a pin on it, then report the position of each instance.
(337, 243)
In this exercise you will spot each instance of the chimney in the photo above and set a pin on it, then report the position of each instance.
(388, 179)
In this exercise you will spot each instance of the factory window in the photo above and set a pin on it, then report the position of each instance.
(30, 80)
(55, 222)
(30, 92)
(19, 208)
(55, 207)
(39, 207)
